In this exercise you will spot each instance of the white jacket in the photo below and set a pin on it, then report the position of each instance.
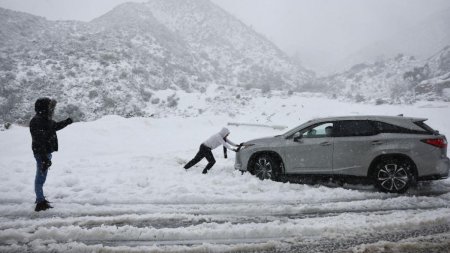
(218, 139)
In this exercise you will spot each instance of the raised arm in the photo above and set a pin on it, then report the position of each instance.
(62, 124)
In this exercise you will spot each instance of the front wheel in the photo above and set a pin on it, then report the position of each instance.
(393, 175)
(265, 167)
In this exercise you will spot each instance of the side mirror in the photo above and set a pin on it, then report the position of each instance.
(297, 137)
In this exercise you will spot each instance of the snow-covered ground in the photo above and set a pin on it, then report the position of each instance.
(118, 185)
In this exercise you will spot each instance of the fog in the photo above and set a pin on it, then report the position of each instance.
(321, 34)
(324, 32)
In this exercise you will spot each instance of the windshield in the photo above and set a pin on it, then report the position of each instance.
(295, 129)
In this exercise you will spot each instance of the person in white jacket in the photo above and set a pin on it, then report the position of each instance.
(205, 149)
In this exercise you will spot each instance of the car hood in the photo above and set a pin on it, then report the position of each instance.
(265, 141)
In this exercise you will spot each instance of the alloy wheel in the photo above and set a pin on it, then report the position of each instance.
(263, 168)
(393, 177)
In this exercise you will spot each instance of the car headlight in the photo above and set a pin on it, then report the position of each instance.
(244, 146)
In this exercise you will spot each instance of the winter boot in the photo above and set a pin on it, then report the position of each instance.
(205, 171)
(47, 203)
(41, 206)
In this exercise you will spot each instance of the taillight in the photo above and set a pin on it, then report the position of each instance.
(440, 143)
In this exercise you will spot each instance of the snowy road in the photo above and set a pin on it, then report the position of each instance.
(118, 185)
(333, 226)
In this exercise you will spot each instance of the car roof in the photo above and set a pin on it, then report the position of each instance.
(406, 122)
(369, 117)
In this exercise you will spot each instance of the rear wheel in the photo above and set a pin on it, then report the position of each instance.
(265, 167)
(393, 175)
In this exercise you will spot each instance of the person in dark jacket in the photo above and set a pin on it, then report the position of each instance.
(44, 142)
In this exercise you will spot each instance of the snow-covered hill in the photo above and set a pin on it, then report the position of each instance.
(115, 63)
(436, 76)
(402, 79)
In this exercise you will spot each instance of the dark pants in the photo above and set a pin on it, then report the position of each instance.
(39, 180)
(203, 152)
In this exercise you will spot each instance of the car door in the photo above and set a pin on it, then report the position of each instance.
(354, 141)
(310, 150)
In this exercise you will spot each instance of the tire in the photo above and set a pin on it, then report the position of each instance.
(265, 167)
(393, 175)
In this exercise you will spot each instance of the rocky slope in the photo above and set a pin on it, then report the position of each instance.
(397, 80)
(115, 63)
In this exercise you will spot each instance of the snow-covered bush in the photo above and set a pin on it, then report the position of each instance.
(93, 94)
(146, 95)
(71, 111)
(155, 101)
(172, 101)
(359, 98)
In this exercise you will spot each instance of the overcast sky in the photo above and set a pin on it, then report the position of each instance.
(316, 29)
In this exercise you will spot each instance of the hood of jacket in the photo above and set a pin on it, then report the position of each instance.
(224, 132)
(45, 107)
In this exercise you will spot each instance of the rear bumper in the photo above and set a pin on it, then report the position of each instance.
(441, 171)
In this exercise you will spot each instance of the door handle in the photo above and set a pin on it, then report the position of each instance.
(377, 142)
(325, 143)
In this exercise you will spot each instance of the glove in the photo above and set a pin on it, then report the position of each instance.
(69, 121)
(45, 163)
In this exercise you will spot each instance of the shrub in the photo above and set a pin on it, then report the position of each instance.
(380, 101)
(265, 88)
(155, 101)
(359, 98)
(109, 102)
(172, 101)
(146, 95)
(72, 111)
(93, 94)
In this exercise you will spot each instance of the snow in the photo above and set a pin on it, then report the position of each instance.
(118, 185)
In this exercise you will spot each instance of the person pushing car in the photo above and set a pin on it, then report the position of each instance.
(205, 149)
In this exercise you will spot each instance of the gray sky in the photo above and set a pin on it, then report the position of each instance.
(321, 32)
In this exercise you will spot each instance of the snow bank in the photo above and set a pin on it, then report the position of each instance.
(118, 179)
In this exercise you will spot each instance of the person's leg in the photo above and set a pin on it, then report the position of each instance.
(39, 180)
(211, 161)
(198, 157)
(49, 156)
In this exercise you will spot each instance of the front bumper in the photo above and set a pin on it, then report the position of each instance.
(239, 164)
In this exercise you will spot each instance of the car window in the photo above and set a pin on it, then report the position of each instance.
(386, 128)
(383, 127)
(354, 128)
(425, 127)
(318, 131)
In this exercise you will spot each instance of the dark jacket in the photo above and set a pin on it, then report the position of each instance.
(43, 128)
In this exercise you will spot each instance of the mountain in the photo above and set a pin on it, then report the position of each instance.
(115, 63)
(435, 81)
(421, 40)
(395, 80)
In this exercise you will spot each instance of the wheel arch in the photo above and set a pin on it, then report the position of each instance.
(381, 157)
(275, 155)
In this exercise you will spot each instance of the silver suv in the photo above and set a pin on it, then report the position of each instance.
(392, 152)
